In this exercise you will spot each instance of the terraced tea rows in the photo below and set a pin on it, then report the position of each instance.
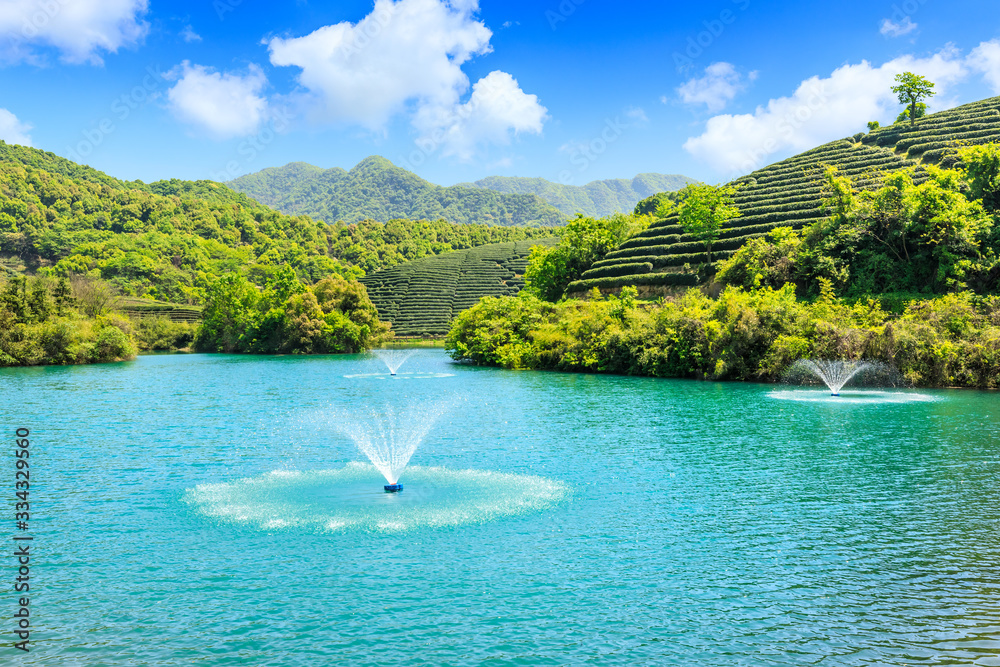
(788, 194)
(142, 308)
(422, 297)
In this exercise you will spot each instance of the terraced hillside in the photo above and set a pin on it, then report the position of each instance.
(422, 297)
(788, 194)
(176, 312)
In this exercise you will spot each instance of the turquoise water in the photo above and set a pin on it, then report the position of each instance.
(204, 510)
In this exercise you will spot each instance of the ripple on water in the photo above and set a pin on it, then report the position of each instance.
(399, 376)
(352, 498)
(863, 397)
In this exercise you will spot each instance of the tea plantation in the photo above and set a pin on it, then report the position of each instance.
(789, 193)
(422, 297)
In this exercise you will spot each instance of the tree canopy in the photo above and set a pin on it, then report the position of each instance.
(911, 89)
(584, 241)
(704, 211)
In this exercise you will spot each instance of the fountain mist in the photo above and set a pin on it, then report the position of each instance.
(393, 359)
(834, 374)
(388, 437)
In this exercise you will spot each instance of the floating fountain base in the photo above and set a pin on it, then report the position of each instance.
(393, 488)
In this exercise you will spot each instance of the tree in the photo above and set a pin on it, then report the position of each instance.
(230, 310)
(584, 241)
(63, 295)
(95, 297)
(906, 115)
(873, 125)
(911, 88)
(705, 211)
(982, 167)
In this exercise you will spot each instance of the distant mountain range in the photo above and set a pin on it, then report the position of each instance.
(597, 198)
(376, 189)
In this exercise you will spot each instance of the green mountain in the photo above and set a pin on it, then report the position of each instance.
(422, 297)
(789, 193)
(595, 199)
(168, 240)
(376, 189)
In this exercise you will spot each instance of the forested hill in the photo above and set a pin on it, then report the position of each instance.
(595, 199)
(170, 239)
(51, 163)
(376, 189)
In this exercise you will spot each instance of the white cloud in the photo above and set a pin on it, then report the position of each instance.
(716, 89)
(985, 58)
(223, 104)
(820, 110)
(890, 28)
(407, 56)
(79, 29)
(638, 115)
(12, 130)
(403, 51)
(189, 35)
(497, 109)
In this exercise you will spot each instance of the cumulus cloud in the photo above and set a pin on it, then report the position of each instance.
(820, 110)
(12, 130)
(985, 58)
(407, 56)
(222, 104)
(716, 89)
(79, 29)
(497, 109)
(890, 28)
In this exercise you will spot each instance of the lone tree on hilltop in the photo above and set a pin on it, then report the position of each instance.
(912, 89)
(705, 210)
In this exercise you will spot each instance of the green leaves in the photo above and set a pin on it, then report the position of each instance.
(911, 88)
(584, 241)
(704, 211)
(333, 316)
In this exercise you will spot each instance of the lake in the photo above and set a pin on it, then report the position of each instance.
(213, 509)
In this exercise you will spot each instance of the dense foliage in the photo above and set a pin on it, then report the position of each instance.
(376, 189)
(42, 323)
(163, 247)
(170, 239)
(583, 242)
(952, 340)
(332, 316)
(936, 236)
(595, 199)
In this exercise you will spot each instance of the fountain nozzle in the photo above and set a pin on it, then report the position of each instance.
(393, 488)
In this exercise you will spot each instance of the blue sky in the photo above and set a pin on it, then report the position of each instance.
(569, 90)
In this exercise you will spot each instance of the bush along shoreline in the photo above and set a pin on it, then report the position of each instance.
(42, 324)
(752, 335)
(46, 322)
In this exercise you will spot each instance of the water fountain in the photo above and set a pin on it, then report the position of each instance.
(879, 382)
(388, 437)
(393, 359)
(834, 374)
